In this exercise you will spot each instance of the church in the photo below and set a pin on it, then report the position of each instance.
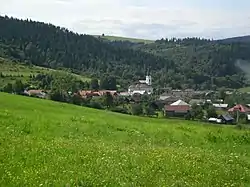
(142, 87)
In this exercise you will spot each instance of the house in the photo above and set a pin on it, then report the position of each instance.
(196, 101)
(168, 99)
(177, 109)
(226, 119)
(90, 93)
(222, 119)
(112, 92)
(36, 93)
(221, 106)
(164, 97)
(248, 118)
(180, 103)
(239, 108)
(124, 94)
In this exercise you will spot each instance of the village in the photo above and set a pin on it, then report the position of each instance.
(172, 103)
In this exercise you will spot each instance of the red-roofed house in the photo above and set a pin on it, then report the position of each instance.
(176, 110)
(90, 93)
(240, 108)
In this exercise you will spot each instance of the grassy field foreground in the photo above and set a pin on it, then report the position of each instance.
(44, 143)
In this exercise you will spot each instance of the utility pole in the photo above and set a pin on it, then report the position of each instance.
(237, 118)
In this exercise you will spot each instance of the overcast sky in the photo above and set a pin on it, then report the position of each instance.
(152, 19)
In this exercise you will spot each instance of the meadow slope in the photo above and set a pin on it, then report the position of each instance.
(12, 71)
(44, 143)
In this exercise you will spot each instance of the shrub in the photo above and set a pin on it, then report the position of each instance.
(119, 110)
(95, 105)
(149, 111)
(137, 109)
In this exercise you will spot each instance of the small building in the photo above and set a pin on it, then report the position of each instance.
(168, 99)
(239, 108)
(177, 109)
(248, 118)
(104, 92)
(214, 120)
(226, 119)
(180, 103)
(90, 93)
(197, 101)
(124, 94)
(221, 106)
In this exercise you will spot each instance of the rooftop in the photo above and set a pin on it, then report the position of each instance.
(178, 108)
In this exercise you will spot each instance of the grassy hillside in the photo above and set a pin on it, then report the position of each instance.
(44, 143)
(119, 38)
(13, 71)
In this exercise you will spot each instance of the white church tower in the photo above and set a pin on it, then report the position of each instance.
(149, 80)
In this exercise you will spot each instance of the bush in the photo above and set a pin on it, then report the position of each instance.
(137, 109)
(197, 112)
(77, 100)
(59, 96)
(95, 105)
(119, 110)
(211, 112)
(149, 111)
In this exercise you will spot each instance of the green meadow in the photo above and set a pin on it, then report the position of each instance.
(45, 143)
(12, 71)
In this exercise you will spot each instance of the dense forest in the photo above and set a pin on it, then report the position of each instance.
(187, 63)
(201, 63)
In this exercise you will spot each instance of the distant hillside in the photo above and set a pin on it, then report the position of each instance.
(241, 39)
(49, 46)
(205, 59)
(188, 63)
(118, 38)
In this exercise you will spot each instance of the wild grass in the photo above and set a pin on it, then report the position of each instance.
(44, 143)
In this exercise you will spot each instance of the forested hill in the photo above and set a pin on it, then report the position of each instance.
(188, 63)
(202, 60)
(50, 46)
(241, 39)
